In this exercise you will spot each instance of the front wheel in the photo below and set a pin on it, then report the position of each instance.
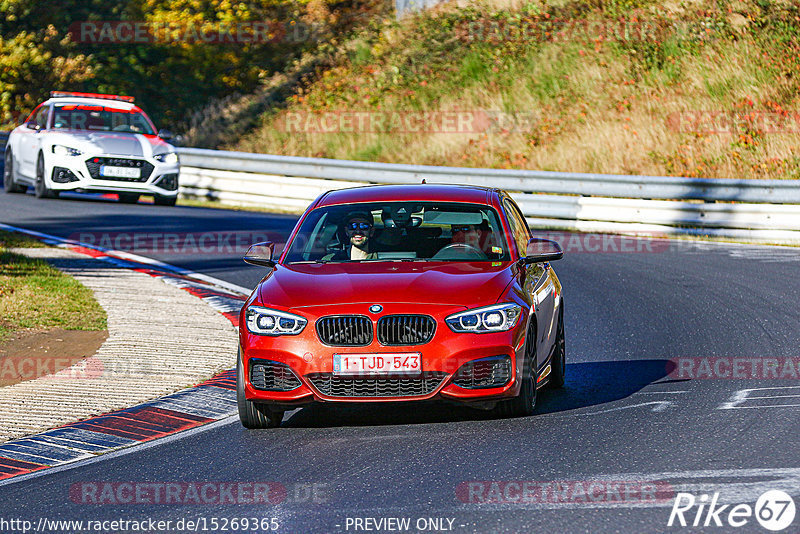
(9, 185)
(523, 404)
(165, 201)
(40, 189)
(559, 361)
(253, 414)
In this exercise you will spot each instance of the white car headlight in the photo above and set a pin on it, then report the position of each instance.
(62, 150)
(497, 318)
(266, 322)
(166, 157)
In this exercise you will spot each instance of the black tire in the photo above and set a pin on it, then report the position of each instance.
(523, 404)
(128, 198)
(9, 185)
(252, 414)
(558, 364)
(40, 189)
(165, 201)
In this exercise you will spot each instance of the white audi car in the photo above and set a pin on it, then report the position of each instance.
(90, 142)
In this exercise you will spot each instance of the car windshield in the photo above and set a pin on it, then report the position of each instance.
(101, 119)
(400, 231)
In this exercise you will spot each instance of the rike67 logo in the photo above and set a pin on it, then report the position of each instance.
(774, 510)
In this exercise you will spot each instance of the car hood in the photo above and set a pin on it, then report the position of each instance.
(128, 144)
(464, 284)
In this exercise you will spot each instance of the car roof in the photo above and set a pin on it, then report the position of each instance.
(408, 192)
(107, 102)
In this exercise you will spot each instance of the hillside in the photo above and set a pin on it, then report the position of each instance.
(696, 88)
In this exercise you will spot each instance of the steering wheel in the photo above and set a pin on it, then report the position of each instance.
(459, 251)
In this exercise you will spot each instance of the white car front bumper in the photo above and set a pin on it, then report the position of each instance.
(89, 173)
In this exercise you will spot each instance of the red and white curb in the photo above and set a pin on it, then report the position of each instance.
(210, 401)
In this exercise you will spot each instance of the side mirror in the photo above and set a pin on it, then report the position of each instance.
(32, 125)
(261, 254)
(542, 250)
(166, 135)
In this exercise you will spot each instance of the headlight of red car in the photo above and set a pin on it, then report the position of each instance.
(497, 318)
(266, 322)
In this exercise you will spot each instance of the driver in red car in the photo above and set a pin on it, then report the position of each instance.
(478, 236)
(359, 229)
(467, 234)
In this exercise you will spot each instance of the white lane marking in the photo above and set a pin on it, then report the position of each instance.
(743, 395)
(659, 392)
(660, 406)
(236, 289)
(769, 406)
(771, 256)
(696, 482)
(122, 451)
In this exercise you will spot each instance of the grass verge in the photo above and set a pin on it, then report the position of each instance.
(35, 295)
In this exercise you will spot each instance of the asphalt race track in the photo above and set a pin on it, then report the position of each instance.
(625, 416)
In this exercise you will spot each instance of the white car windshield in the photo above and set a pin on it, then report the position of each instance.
(400, 231)
(100, 119)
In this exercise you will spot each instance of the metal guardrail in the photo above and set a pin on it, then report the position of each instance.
(609, 185)
(755, 210)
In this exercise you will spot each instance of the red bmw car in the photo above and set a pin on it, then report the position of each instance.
(403, 293)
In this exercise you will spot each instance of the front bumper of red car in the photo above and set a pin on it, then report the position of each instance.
(466, 367)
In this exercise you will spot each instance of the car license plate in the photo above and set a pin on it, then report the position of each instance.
(120, 172)
(387, 363)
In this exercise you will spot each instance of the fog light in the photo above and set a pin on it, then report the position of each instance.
(63, 176)
(489, 372)
(168, 182)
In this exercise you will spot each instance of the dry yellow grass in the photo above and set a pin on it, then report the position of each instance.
(590, 107)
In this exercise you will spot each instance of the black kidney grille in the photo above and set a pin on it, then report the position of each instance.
(345, 330)
(93, 164)
(272, 376)
(485, 373)
(351, 387)
(406, 329)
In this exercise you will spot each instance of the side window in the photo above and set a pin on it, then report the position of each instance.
(41, 116)
(34, 113)
(519, 228)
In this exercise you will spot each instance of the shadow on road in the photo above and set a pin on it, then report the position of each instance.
(588, 384)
